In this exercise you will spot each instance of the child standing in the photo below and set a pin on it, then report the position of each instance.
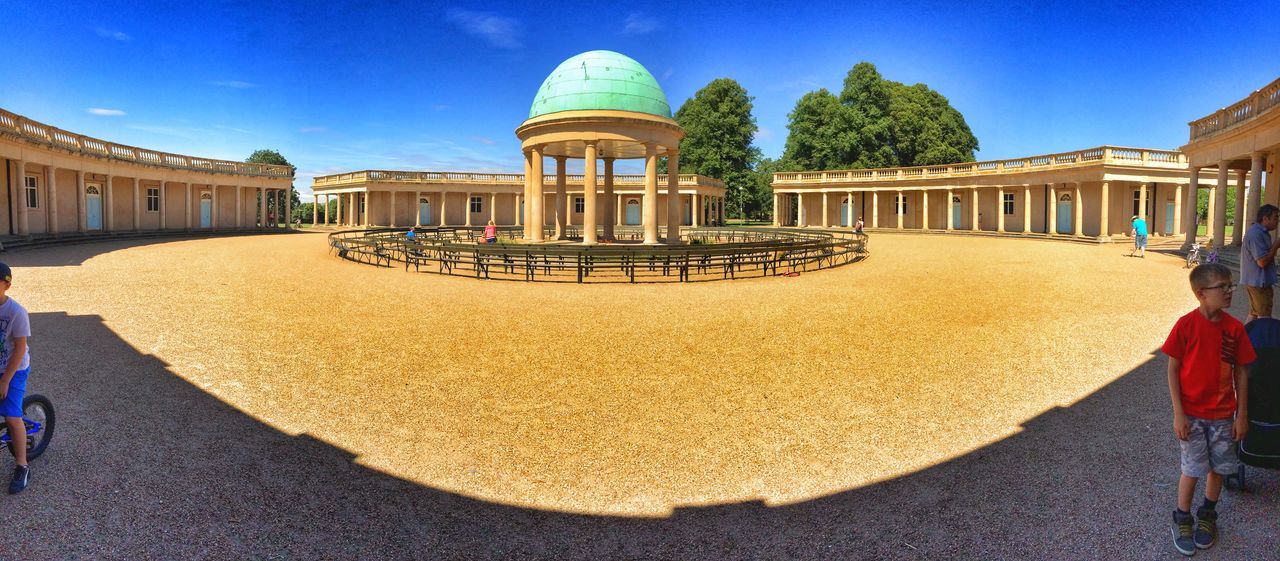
(15, 328)
(1208, 355)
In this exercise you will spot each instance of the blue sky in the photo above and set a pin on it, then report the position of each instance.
(405, 85)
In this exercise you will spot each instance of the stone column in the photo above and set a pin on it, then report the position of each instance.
(848, 211)
(899, 202)
(213, 207)
(1142, 205)
(288, 206)
(777, 208)
(825, 211)
(81, 211)
(562, 218)
(467, 213)
(137, 221)
(536, 199)
(24, 224)
(673, 196)
(528, 188)
(240, 208)
(695, 209)
(339, 219)
(444, 209)
(802, 217)
(1052, 228)
(1255, 187)
(1026, 208)
(1220, 205)
(650, 209)
(1077, 206)
(612, 206)
(589, 216)
(164, 207)
(1237, 230)
(188, 205)
(262, 206)
(924, 210)
(109, 195)
(875, 209)
(51, 180)
(1177, 210)
(1000, 209)
(973, 211)
(493, 206)
(1104, 227)
(315, 208)
(517, 199)
(951, 213)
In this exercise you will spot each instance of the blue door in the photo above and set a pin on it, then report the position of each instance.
(1168, 219)
(93, 207)
(1064, 213)
(424, 211)
(956, 211)
(844, 213)
(633, 212)
(206, 210)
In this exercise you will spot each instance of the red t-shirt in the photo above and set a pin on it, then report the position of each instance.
(1209, 352)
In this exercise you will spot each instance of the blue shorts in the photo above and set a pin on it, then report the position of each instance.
(1140, 241)
(12, 405)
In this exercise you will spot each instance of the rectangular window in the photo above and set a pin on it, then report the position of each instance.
(476, 205)
(153, 199)
(1137, 203)
(1008, 204)
(579, 205)
(33, 194)
(902, 204)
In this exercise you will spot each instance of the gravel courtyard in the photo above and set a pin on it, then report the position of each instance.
(254, 397)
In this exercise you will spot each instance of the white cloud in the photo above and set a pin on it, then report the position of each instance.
(639, 24)
(484, 140)
(764, 133)
(500, 32)
(237, 84)
(115, 35)
(105, 112)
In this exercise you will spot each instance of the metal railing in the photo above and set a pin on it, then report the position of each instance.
(40, 133)
(707, 254)
(1260, 101)
(463, 177)
(1088, 157)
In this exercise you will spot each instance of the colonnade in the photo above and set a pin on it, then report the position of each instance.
(96, 194)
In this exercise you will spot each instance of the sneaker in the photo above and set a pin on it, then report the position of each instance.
(1206, 528)
(1183, 529)
(21, 474)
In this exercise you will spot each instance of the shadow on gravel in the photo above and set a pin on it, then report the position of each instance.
(147, 466)
(74, 250)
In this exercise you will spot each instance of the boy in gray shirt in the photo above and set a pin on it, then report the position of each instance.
(15, 328)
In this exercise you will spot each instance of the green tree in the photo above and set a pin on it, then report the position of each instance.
(875, 123)
(274, 158)
(719, 129)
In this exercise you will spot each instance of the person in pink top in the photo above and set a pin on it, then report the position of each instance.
(491, 233)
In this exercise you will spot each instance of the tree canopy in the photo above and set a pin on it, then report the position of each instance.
(719, 129)
(273, 157)
(875, 123)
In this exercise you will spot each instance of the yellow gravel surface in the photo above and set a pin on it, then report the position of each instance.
(632, 400)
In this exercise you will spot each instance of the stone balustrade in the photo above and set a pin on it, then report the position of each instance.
(1078, 158)
(1260, 101)
(40, 133)
(442, 177)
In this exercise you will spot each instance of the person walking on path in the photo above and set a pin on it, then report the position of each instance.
(1258, 262)
(1139, 233)
(491, 233)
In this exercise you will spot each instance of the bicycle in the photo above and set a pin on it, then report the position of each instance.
(1193, 256)
(37, 415)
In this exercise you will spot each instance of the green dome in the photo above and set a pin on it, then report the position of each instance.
(600, 80)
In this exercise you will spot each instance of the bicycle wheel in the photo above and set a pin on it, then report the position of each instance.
(37, 408)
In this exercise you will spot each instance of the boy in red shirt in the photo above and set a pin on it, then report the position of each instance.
(1208, 357)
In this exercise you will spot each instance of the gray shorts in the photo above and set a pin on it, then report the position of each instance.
(1209, 446)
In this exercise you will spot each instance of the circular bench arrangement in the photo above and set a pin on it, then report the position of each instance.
(705, 254)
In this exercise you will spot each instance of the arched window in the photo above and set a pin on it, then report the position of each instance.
(1064, 198)
(91, 190)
